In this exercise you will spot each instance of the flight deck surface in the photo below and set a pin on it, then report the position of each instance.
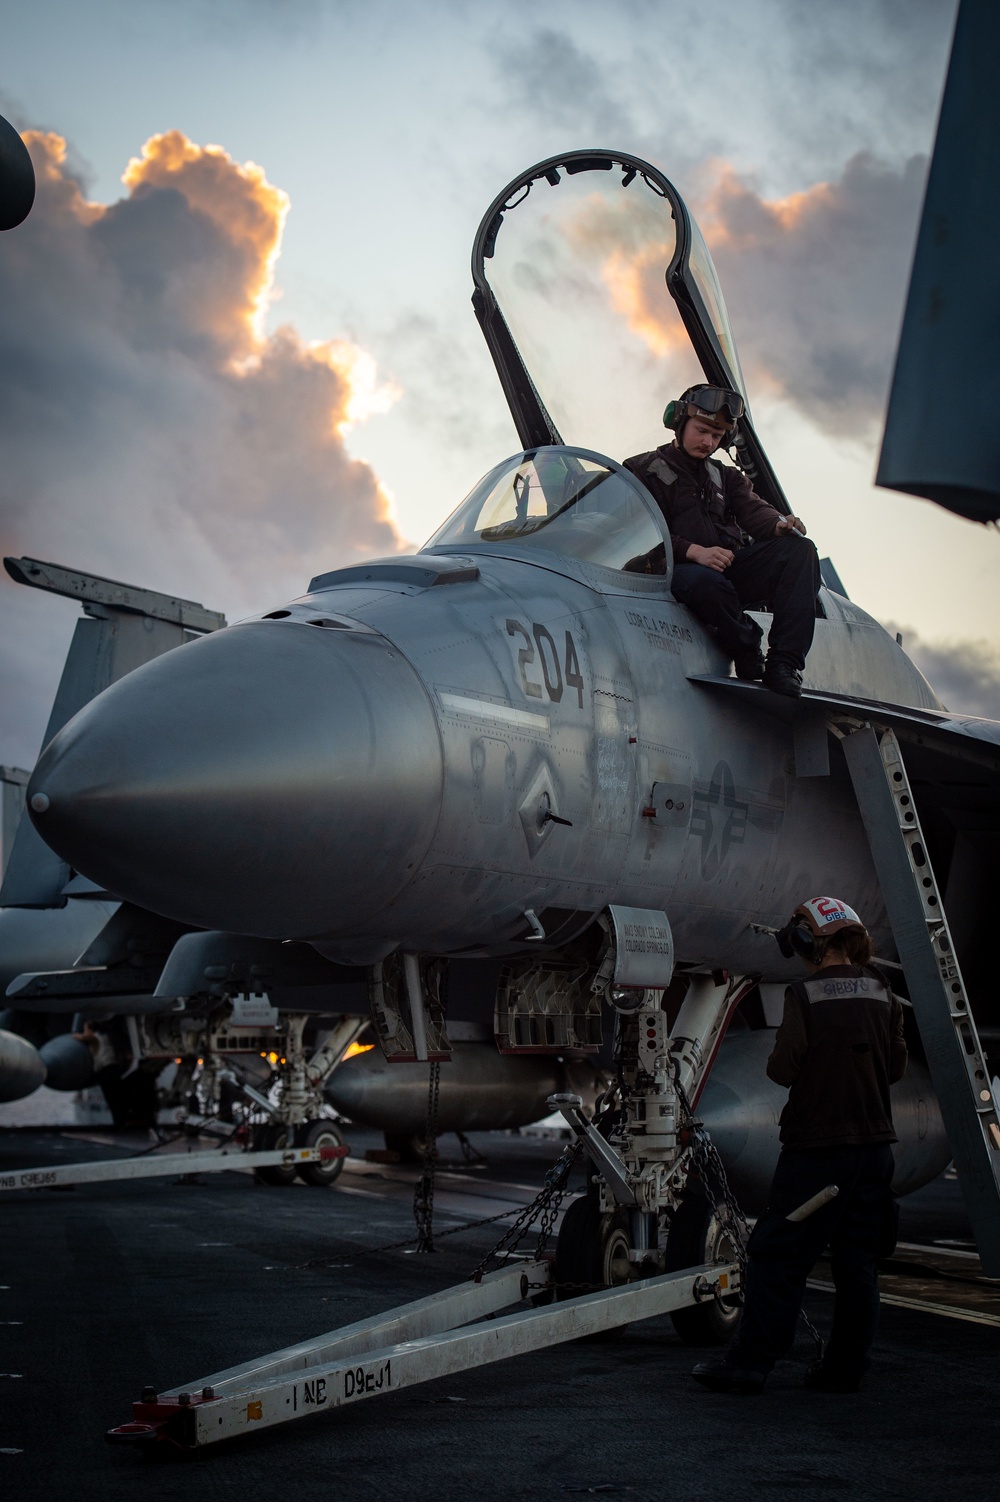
(112, 1287)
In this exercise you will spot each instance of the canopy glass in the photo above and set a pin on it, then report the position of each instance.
(578, 268)
(567, 501)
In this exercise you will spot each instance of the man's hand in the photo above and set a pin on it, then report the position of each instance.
(790, 524)
(717, 558)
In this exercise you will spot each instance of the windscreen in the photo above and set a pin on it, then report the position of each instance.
(568, 503)
(578, 271)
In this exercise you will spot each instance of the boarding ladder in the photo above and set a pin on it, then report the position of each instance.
(933, 975)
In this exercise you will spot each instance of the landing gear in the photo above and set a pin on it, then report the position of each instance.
(269, 1139)
(699, 1234)
(319, 1134)
(592, 1250)
(649, 1153)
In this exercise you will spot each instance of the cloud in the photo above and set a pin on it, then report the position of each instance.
(815, 284)
(797, 87)
(151, 430)
(448, 384)
(964, 674)
(836, 105)
(549, 73)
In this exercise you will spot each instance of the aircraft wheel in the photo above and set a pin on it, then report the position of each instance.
(268, 1139)
(320, 1134)
(592, 1253)
(698, 1235)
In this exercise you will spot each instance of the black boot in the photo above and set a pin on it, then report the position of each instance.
(744, 645)
(749, 665)
(781, 678)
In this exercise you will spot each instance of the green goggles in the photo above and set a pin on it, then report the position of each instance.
(715, 401)
(709, 401)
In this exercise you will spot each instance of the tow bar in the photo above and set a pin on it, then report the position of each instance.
(152, 1166)
(433, 1337)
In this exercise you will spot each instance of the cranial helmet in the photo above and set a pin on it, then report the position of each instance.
(812, 923)
(715, 402)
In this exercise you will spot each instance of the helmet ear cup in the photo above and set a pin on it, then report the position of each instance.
(803, 941)
(673, 414)
(796, 939)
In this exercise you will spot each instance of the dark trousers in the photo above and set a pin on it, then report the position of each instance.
(858, 1226)
(782, 574)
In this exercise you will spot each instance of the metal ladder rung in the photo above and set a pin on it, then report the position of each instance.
(933, 973)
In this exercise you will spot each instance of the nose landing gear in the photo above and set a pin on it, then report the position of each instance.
(656, 1175)
(592, 1250)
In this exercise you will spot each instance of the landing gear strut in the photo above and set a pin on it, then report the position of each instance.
(657, 1202)
(295, 1116)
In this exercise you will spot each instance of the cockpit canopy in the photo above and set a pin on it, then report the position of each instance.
(568, 501)
(599, 301)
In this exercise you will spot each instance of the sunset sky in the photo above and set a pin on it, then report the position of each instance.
(236, 342)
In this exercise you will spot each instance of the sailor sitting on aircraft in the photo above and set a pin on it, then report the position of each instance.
(709, 509)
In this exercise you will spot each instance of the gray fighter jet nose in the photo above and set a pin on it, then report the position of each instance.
(247, 781)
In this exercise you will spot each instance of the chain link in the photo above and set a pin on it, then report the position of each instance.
(546, 1204)
(423, 1194)
(706, 1162)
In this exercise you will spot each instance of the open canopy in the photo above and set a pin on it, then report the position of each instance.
(599, 302)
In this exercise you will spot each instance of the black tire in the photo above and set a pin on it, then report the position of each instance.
(267, 1139)
(696, 1236)
(319, 1134)
(592, 1249)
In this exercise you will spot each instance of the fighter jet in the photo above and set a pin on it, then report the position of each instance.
(503, 746)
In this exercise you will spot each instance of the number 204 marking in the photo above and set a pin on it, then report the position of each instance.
(547, 654)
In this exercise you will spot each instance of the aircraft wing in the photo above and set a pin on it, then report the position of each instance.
(936, 732)
(953, 765)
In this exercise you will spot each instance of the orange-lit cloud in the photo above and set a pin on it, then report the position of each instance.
(238, 199)
(152, 429)
(814, 284)
(637, 289)
(630, 240)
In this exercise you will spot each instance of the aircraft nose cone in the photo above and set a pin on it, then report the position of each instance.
(274, 778)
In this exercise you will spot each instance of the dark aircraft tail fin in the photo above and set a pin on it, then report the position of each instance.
(947, 349)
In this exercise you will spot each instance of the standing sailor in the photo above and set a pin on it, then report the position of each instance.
(838, 1049)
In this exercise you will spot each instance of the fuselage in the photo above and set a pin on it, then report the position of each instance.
(420, 751)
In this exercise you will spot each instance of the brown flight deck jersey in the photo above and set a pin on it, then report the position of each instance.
(838, 1049)
(703, 502)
